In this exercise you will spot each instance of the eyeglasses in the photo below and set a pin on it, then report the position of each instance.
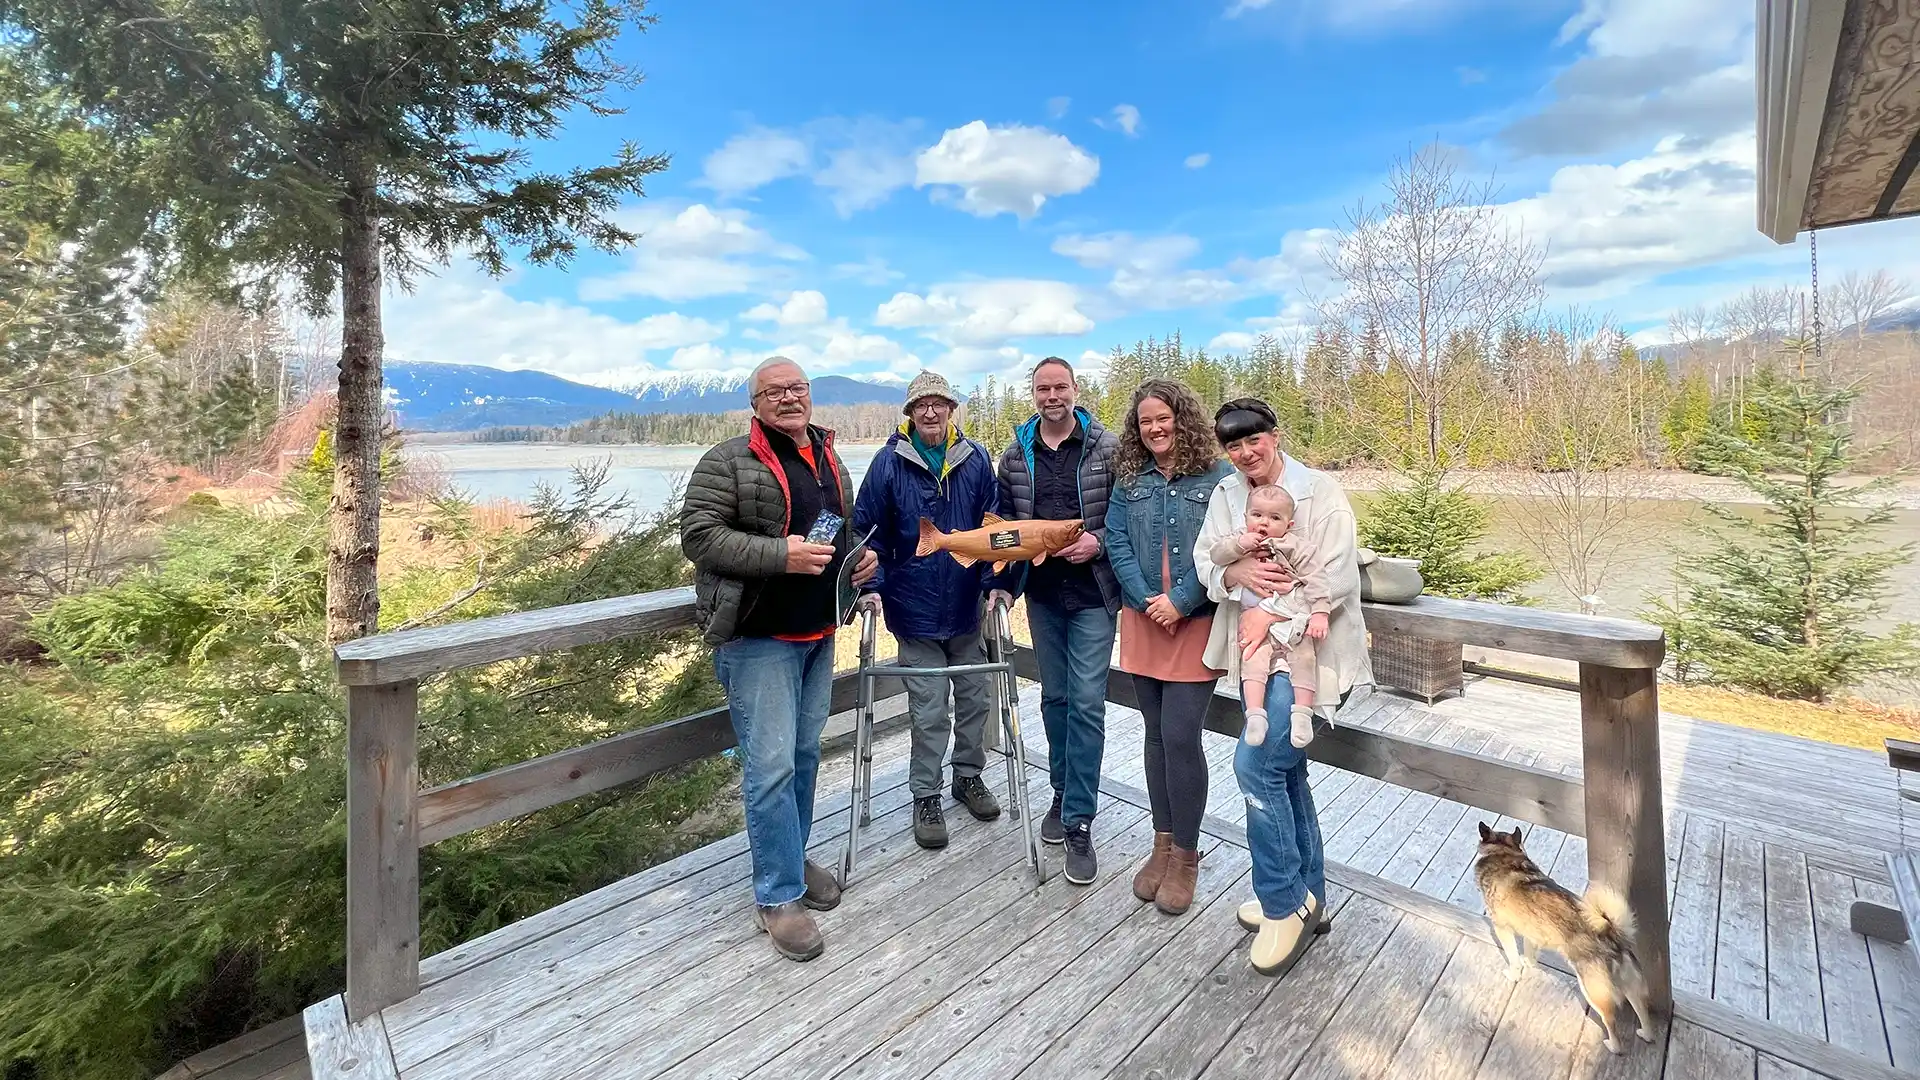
(796, 391)
(934, 405)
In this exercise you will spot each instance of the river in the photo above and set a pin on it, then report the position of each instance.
(649, 475)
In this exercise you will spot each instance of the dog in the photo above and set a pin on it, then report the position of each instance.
(1594, 933)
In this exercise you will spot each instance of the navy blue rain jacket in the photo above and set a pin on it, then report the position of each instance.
(930, 596)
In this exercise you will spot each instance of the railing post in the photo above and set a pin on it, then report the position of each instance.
(383, 846)
(1626, 826)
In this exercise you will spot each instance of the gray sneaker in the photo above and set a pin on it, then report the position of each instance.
(972, 792)
(1081, 866)
(1050, 828)
(929, 823)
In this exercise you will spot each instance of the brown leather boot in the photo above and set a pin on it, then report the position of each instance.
(1146, 883)
(1176, 888)
(792, 930)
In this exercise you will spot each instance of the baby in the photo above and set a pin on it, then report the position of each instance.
(1278, 633)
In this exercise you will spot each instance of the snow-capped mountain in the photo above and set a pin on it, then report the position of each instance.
(467, 397)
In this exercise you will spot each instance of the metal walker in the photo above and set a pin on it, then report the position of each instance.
(1006, 705)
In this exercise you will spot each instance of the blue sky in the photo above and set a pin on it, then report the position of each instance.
(880, 187)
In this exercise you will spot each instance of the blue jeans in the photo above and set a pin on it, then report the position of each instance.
(1073, 649)
(1283, 829)
(779, 693)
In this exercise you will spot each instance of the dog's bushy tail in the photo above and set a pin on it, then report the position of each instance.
(1606, 912)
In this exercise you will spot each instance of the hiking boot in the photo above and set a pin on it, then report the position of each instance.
(929, 823)
(823, 891)
(1175, 895)
(1081, 867)
(1146, 883)
(791, 929)
(973, 793)
(1050, 828)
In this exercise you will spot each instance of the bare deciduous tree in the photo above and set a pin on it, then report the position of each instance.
(1861, 298)
(1585, 509)
(1436, 266)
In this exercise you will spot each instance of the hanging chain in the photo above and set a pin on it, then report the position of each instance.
(1813, 260)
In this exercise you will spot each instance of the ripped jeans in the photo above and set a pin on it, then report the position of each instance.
(1283, 829)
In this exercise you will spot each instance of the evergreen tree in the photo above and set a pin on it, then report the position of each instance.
(1689, 417)
(1779, 603)
(329, 141)
(1440, 525)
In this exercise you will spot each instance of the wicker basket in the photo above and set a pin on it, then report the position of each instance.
(1417, 666)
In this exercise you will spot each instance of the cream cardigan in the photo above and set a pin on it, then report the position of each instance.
(1323, 515)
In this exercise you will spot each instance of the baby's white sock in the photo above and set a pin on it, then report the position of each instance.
(1302, 725)
(1256, 732)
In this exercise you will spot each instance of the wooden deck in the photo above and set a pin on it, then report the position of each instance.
(951, 964)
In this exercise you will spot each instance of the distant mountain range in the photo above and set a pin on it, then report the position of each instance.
(468, 397)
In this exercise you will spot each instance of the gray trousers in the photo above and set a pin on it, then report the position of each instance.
(932, 722)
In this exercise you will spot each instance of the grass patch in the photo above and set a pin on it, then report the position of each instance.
(1845, 722)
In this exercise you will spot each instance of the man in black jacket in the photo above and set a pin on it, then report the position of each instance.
(1060, 468)
(766, 599)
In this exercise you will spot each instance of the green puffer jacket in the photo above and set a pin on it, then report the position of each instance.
(734, 526)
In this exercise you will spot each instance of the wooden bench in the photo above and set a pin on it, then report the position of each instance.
(1903, 866)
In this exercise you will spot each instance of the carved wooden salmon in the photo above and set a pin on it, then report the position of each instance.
(1000, 540)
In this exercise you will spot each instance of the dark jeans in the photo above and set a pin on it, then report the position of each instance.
(1283, 829)
(1176, 763)
(1073, 649)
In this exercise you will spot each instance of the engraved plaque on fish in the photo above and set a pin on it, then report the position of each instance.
(1001, 541)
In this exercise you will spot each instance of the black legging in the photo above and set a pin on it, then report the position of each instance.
(1176, 763)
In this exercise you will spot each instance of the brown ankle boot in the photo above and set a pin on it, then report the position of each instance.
(1146, 883)
(1176, 888)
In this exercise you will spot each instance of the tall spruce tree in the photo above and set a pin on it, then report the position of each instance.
(1778, 603)
(329, 141)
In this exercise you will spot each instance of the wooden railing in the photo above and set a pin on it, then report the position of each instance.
(389, 818)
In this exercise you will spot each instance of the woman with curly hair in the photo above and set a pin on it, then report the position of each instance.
(1164, 475)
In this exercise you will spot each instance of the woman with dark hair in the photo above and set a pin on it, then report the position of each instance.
(1283, 828)
(1164, 475)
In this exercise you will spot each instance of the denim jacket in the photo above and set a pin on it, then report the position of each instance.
(1144, 512)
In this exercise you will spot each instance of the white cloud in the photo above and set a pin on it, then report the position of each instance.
(755, 158)
(1147, 271)
(1125, 119)
(858, 162)
(1006, 362)
(1651, 68)
(435, 323)
(1644, 27)
(1057, 107)
(694, 253)
(1198, 161)
(804, 308)
(866, 160)
(872, 270)
(977, 313)
(1233, 341)
(1005, 170)
(1608, 228)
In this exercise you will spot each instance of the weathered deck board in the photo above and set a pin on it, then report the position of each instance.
(1793, 965)
(1740, 962)
(1539, 1030)
(1450, 1037)
(1366, 1032)
(1853, 1013)
(1194, 1032)
(903, 1028)
(1060, 981)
